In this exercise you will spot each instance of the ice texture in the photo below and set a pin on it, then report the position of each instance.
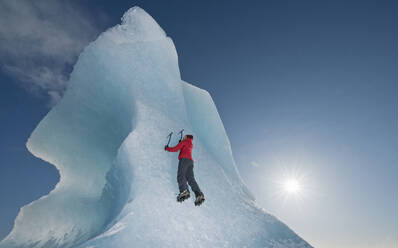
(117, 185)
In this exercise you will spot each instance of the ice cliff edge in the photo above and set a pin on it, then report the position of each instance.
(117, 186)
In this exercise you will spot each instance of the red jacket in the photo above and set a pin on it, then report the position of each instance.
(186, 149)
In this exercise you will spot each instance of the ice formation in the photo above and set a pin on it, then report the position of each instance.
(118, 185)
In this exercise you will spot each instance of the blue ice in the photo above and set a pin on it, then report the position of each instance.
(117, 185)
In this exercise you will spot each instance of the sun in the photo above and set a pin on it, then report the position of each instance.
(292, 186)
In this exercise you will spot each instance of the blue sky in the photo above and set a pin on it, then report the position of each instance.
(306, 88)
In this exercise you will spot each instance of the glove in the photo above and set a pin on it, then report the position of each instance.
(165, 147)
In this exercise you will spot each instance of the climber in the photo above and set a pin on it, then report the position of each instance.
(185, 170)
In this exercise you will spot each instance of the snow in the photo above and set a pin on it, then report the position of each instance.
(118, 186)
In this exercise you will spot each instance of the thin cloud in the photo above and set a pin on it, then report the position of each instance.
(40, 41)
(255, 164)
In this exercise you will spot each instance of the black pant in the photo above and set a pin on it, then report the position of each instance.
(185, 173)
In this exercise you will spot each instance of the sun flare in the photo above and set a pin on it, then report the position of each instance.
(292, 186)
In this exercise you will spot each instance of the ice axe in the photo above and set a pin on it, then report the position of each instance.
(181, 132)
(169, 136)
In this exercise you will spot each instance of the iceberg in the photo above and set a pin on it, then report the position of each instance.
(117, 185)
